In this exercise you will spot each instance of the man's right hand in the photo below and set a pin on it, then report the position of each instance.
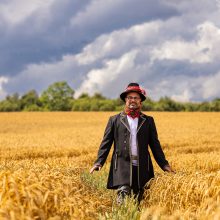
(95, 168)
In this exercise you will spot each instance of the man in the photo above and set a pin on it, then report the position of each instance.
(131, 131)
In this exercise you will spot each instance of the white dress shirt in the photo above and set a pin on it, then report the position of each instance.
(133, 124)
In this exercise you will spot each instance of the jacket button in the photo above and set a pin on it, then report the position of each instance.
(125, 142)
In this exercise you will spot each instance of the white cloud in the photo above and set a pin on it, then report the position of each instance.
(99, 79)
(210, 39)
(2, 81)
(180, 50)
(211, 86)
(16, 11)
(116, 44)
(185, 96)
(119, 42)
(204, 50)
(44, 74)
(124, 56)
(190, 88)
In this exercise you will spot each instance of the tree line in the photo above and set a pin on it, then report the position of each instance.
(59, 97)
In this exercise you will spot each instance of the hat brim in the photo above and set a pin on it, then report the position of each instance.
(124, 94)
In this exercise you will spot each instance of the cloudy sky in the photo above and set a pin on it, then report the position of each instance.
(171, 47)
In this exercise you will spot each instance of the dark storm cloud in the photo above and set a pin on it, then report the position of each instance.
(48, 35)
(109, 15)
(42, 37)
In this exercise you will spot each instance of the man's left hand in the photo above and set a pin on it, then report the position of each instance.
(168, 168)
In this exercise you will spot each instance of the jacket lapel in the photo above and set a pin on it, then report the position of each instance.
(124, 120)
(141, 121)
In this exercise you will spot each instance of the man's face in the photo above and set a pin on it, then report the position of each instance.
(133, 100)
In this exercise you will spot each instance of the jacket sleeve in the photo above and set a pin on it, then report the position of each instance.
(106, 143)
(156, 147)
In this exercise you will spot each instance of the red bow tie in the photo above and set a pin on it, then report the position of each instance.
(134, 114)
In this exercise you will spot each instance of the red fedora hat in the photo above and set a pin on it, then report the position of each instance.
(133, 87)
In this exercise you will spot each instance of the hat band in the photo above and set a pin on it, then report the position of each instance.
(133, 88)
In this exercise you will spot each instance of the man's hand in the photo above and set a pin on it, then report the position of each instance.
(168, 168)
(95, 168)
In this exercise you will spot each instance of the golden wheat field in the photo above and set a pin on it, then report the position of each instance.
(45, 160)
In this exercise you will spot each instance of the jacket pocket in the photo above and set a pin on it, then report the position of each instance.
(116, 161)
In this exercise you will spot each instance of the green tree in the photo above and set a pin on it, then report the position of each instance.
(204, 107)
(81, 105)
(98, 96)
(94, 105)
(106, 105)
(84, 96)
(58, 97)
(215, 105)
(167, 104)
(30, 101)
(118, 104)
(148, 105)
(11, 103)
(190, 107)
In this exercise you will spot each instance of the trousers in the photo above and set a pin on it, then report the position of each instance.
(126, 190)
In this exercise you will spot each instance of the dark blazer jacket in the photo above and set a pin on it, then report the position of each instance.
(117, 132)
